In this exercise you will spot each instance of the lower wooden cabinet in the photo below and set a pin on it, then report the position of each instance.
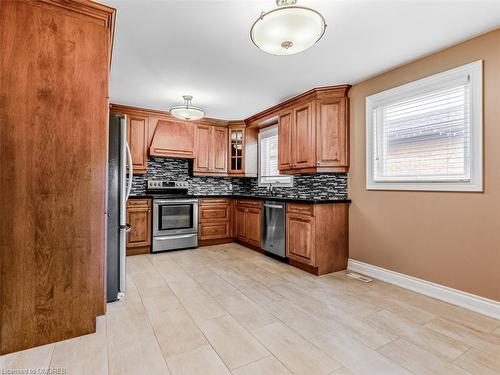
(214, 221)
(317, 236)
(248, 222)
(139, 219)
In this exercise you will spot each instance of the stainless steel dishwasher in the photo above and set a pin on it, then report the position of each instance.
(273, 228)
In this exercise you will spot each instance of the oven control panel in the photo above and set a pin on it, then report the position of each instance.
(166, 184)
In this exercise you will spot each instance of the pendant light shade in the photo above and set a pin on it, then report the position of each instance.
(288, 29)
(187, 111)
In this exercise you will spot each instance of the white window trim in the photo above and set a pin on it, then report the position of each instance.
(269, 129)
(475, 184)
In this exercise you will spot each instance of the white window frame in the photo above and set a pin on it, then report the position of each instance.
(269, 129)
(475, 183)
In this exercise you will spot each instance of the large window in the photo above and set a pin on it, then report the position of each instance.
(427, 134)
(268, 159)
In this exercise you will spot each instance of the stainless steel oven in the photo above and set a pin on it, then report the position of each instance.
(175, 221)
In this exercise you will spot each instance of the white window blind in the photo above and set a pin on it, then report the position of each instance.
(268, 158)
(424, 135)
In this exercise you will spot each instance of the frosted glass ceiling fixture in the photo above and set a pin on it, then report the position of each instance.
(288, 29)
(187, 111)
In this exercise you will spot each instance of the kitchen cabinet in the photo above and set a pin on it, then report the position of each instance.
(332, 133)
(54, 69)
(174, 139)
(214, 221)
(210, 150)
(137, 129)
(139, 219)
(313, 131)
(242, 151)
(248, 222)
(317, 236)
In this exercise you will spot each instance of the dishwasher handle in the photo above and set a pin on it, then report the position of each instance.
(273, 205)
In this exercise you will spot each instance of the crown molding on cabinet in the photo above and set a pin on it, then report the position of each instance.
(264, 118)
(337, 91)
(119, 108)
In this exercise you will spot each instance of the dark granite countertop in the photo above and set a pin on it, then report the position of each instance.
(260, 197)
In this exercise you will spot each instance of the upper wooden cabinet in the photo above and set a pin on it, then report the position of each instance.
(137, 129)
(242, 152)
(332, 132)
(210, 150)
(313, 131)
(173, 139)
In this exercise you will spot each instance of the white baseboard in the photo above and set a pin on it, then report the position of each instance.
(466, 300)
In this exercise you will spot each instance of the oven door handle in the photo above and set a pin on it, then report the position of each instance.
(174, 237)
(172, 202)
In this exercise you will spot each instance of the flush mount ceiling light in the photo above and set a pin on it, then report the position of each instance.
(288, 29)
(187, 111)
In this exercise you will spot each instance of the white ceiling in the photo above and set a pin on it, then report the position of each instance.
(166, 49)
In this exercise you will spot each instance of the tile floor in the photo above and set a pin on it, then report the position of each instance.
(229, 310)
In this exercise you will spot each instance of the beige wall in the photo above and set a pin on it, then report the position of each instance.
(451, 239)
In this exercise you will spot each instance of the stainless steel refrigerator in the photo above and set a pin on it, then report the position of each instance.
(119, 187)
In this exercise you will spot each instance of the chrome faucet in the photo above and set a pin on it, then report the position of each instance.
(270, 188)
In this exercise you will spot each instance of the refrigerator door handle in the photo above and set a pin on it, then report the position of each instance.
(130, 171)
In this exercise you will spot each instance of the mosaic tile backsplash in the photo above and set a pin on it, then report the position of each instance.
(318, 186)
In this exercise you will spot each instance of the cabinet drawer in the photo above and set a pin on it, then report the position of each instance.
(214, 213)
(248, 203)
(212, 201)
(209, 231)
(141, 202)
(300, 208)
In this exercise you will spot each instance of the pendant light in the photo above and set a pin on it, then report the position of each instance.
(187, 111)
(288, 29)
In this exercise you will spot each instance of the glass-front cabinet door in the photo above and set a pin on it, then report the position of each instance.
(236, 150)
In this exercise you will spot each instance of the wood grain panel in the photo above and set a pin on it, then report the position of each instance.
(240, 230)
(285, 156)
(214, 213)
(332, 131)
(303, 136)
(253, 226)
(300, 244)
(173, 139)
(214, 230)
(203, 149)
(138, 142)
(218, 149)
(54, 114)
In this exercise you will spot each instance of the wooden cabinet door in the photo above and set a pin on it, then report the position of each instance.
(303, 136)
(331, 133)
(240, 223)
(253, 225)
(137, 128)
(218, 150)
(285, 156)
(202, 148)
(300, 238)
(173, 139)
(139, 219)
